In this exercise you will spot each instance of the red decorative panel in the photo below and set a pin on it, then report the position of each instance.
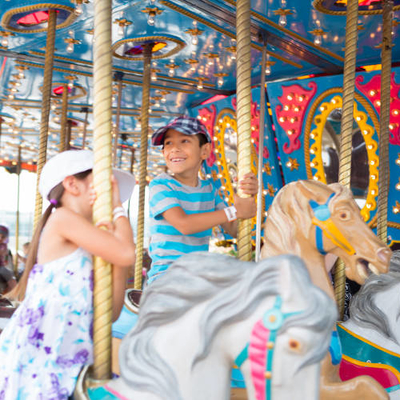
(372, 90)
(295, 100)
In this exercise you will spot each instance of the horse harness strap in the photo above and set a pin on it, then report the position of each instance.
(324, 224)
(260, 349)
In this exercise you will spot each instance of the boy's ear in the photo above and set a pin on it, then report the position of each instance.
(205, 151)
(70, 185)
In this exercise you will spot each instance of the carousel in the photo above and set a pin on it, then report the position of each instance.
(304, 94)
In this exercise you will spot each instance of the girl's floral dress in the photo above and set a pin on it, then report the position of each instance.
(49, 337)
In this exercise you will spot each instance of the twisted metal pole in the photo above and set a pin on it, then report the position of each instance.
(45, 111)
(17, 214)
(85, 124)
(64, 119)
(349, 75)
(144, 118)
(119, 76)
(384, 120)
(243, 113)
(102, 115)
(261, 153)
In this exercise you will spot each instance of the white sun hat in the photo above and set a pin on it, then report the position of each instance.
(73, 162)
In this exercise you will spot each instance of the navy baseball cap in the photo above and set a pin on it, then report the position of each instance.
(184, 124)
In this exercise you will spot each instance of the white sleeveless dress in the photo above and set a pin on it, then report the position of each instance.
(49, 337)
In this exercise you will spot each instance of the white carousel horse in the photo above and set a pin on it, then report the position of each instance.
(210, 311)
(371, 337)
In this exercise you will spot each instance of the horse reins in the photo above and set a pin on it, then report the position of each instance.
(323, 224)
(260, 349)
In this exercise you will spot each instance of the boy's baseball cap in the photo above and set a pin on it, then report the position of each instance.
(73, 162)
(183, 124)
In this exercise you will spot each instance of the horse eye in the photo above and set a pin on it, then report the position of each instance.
(344, 215)
(294, 345)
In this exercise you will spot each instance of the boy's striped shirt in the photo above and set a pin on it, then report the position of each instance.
(167, 243)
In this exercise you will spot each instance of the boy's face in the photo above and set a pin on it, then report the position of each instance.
(182, 153)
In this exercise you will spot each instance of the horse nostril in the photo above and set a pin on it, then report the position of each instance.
(384, 255)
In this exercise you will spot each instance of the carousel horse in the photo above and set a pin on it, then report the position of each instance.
(371, 337)
(310, 219)
(210, 311)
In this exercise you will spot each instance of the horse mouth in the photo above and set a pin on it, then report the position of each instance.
(365, 268)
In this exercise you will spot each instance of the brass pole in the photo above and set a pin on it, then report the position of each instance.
(132, 160)
(17, 214)
(119, 76)
(64, 119)
(86, 111)
(45, 111)
(385, 119)
(349, 75)
(261, 153)
(102, 84)
(147, 53)
(68, 135)
(243, 114)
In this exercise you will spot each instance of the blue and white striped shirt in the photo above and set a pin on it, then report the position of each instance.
(167, 243)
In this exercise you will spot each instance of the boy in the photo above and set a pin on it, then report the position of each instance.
(184, 208)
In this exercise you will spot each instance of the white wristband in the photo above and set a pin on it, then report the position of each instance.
(118, 210)
(119, 214)
(230, 213)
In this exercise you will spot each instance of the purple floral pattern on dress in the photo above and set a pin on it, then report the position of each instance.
(49, 337)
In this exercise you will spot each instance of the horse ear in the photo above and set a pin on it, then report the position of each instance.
(312, 190)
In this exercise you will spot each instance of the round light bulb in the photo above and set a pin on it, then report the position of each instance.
(153, 76)
(78, 9)
(220, 81)
(200, 85)
(71, 84)
(157, 104)
(318, 40)
(152, 19)
(11, 96)
(267, 70)
(121, 30)
(163, 100)
(70, 48)
(195, 40)
(4, 41)
(282, 20)
(21, 75)
(171, 72)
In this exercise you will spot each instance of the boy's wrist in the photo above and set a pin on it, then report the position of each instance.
(231, 213)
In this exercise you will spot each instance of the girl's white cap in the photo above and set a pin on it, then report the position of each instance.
(73, 162)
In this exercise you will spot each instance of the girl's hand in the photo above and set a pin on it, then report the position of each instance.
(109, 225)
(115, 192)
(245, 207)
(249, 184)
(92, 194)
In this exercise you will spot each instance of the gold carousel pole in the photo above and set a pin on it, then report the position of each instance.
(243, 113)
(144, 118)
(85, 124)
(119, 76)
(261, 153)
(45, 111)
(64, 119)
(132, 160)
(17, 214)
(384, 120)
(102, 115)
(349, 75)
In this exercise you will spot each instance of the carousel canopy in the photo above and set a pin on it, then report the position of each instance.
(194, 60)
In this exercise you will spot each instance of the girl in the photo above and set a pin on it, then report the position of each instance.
(49, 337)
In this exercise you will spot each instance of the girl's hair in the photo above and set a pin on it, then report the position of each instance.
(55, 195)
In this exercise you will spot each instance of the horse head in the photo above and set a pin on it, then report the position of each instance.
(210, 311)
(319, 218)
